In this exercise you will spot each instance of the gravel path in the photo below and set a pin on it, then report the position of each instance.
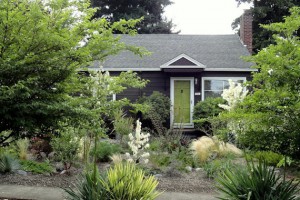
(191, 182)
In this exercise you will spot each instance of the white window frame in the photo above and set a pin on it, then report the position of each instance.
(244, 79)
(192, 87)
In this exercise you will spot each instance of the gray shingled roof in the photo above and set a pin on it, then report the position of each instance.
(213, 51)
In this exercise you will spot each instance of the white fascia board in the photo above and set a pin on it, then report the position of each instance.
(197, 64)
(130, 69)
(230, 70)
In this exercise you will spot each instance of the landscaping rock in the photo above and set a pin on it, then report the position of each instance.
(21, 172)
(59, 166)
(188, 168)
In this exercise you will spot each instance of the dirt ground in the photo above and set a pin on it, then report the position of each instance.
(191, 182)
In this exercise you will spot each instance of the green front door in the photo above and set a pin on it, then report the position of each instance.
(182, 105)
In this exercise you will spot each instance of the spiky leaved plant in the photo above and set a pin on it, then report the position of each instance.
(8, 163)
(126, 181)
(257, 181)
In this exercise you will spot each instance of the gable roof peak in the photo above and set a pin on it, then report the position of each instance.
(182, 61)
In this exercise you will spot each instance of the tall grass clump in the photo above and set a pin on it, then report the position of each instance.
(8, 163)
(23, 145)
(257, 181)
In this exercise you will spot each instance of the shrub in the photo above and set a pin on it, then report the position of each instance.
(215, 167)
(158, 110)
(208, 108)
(23, 145)
(126, 181)
(258, 181)
(270, 157)
(8, 163)
(204, 110)
(36, 167)
(122, 125)
(66, 147)
(105, 150)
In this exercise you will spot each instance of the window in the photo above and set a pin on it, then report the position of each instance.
(214, 86)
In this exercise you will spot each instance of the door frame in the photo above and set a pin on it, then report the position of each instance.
(192, 90)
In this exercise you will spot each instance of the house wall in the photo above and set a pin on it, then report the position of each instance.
(160, 81)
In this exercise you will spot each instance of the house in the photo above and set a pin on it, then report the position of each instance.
(187, 68)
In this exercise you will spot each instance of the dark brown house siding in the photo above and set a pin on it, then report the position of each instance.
(160, 81)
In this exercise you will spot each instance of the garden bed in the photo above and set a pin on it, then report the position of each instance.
(190, 182)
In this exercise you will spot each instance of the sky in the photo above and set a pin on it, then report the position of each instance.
(204, 16)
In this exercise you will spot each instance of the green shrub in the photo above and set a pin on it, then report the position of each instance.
(104, 150)
(158, 110)
(122, 125)
(125, 181)
(208, 108)
(160, 160)
(66, 147)
(217, 166)
(257, 181)
(271, 158)
(204, 110)
(8, 163)
(36, 167)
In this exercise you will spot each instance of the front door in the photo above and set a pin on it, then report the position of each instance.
(182, 98)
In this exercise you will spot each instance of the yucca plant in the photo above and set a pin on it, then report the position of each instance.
(8, 163)
(126, 181)
(122, 182)
(257, 181)
(88, 187)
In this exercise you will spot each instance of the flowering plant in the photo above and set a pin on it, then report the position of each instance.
(138, 143)
(233, 95)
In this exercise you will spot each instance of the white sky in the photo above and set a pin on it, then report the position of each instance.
(204, 16)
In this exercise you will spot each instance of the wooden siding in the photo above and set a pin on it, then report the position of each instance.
(160, 81)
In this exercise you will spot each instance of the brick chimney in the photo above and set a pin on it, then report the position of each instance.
(246, 29)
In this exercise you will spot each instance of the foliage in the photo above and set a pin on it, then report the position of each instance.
(43, 46)
(215, 167)
(204, 111)
(122, 125)
(122, 181)
(138, 144)
(209, 107)
(8, 163)
(88, 187)
(234, 95)
(23, 146)
(66, 146)
(258, 181)
(155, 108)
(266, 12)
(271, 158)
(105, 150)
(205, 149)
(160, 160)
(269, 118)
(36, 167)
(126, 181)
(151, 11)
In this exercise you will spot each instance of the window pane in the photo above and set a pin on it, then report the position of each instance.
(213, 94)
(213, 85)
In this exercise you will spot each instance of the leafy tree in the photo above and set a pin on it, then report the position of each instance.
(267, 12)
(269, 118)
(151, 11)
(43, 44)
